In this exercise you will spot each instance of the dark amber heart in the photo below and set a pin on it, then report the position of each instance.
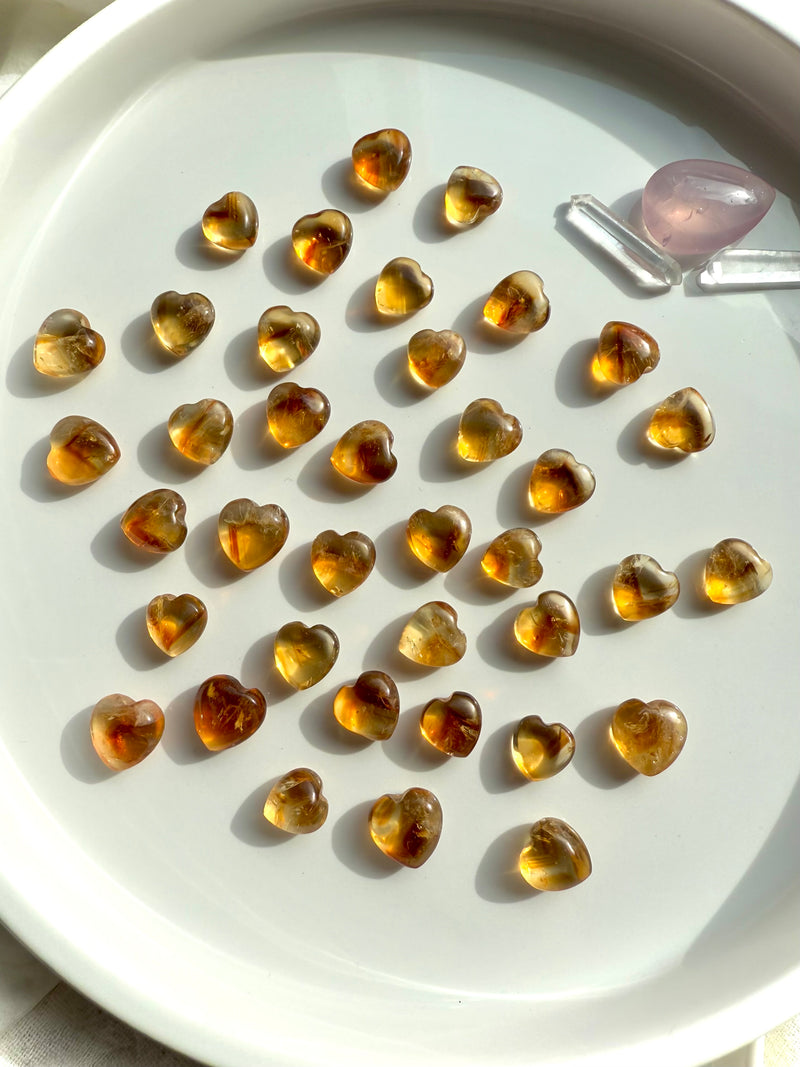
(439, 538)
(407, 827)
(649, 736)
(432, 637)
(323, 240)
(436, 356)
(341, 562)
(201, 431)
(513, 558)
(559, 483)
(486, 432)
(402, 287)
(251, 534)
(296, 415)
(550, 627)
(81, 450)
(225, 713)
(555, 857)
(175, 623)
(296, 802)
(453, 725)
(471, 196)
(541, 749)
(518, 303)
(124, 731)
(370, 707)
(181, 321)
(156, 521)
(734, 572)
(642, 589)
(231, 222)
(66, 345)
(382, 159)
(305, 654)
(682, 421)
(364, 453)
(286, 338)
(624, 353)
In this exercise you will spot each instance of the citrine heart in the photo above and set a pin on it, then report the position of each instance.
(296, 415)
(66, 345)
(555, 857)
(486, 432)
(471, 196)
(225, 713)
(296, 803)
(518, 303)
(559, 483)
(513, 558)
(551, 627)
(286, 338)
(407, 827)
(305, 654)
(81, 450)
(124, 731)
(231, 222)
(541, 749)
(439, 538)
(201, 431)
(175, 623)
(649, 737)
(624, 353)
(382, 159)
(734, 572)
(452, 725)
(683, 421)
(402, 287)
(341, 562)
(436, 356)
(642, 589)
(432, 637)
(370, 707)
(181, 321)
(364, 453)
(156, 521)
(323, 240)
(251, 534)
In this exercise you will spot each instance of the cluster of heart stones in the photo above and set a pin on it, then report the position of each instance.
(648, 735)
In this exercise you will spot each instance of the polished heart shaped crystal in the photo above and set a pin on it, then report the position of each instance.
(555, 857)
(231, 222)
(559, 483)
(649, 736)
(341, 562)
(66, 345)
(364, 453)
(435, 357)
(201, 431)
(251, 534)
(382, 159)
(518, 303)
(323, 240)
(471, 196)
(432, 637)
(486, 432)
(225, 713)
(734, 572)
(156, 521)
(682, 421)
(81, 450)
(642, 589)
(181, 321)
(402, 287)
(513, 558)
(124, 731)
(296, 415)
(407, 827)
(286, 338)
(296, 802)
(452, 725)
(551, 627)
(175, 623)
(624, 353)
(305, 654)
(541, 749)
(370, 707)
(439, 538)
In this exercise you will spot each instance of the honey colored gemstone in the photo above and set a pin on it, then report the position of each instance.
(251, 534)
(435, 357)
(734, 572)
(382, 159)
(201, 431)
(642, 589)
(555, 857)
(624, 353)
(364, 453)
(541, 749)
(286, 338)
(471, 196)
(513, 558)
(66, 345)
(407, 827)
(559, 483)
(683, 421)
(323, 240)
(296, 803)
(453, 725)
(81, 450)
(225, 713)
(486, 432)
(181, 321)
(551, 627)
(175, 623)
(231, 222)
(402, 287)
(305, 654)
(156, 521)
(649, 736)
(432, 637)
(124, 731)
(341, 562)
(439, 538)
(296, 415)
(370, 707)
(518, 303)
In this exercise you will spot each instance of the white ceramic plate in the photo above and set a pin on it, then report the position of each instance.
(160, 891)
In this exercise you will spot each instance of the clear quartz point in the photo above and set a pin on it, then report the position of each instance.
(750, 268)
(649, 265)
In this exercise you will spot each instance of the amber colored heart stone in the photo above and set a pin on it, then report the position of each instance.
(66, 345)
(435, 357)
(156, 521)
(124, 731)
(251, 534)
(201, 431)
(231, 222)
(649, 736)
(734, 572)
(402, 287)
(439, 538)
(513, 558)
(286, 338)
(518, 303)
(81, 450)
(305, 654)
(471, 196)
(341, 562)
(225, 713)
(407, 827)
(683, 421)
(550, 627)
(296, 802)
(559, 483)
(323, 240)
(624, 353)
(642, 589)
(364, 453)
(382, 159)
(486, 432)
(181, 321)
(452, 725)
(370, 707)
(296, 415)
(555, 857)
(432, 637)
(541, 749)
(175, 623)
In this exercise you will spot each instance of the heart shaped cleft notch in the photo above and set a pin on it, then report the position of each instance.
(305, 654)
(624, 353)
(452, 725)
(555, 857)
(286, 338)
(225, 713)
(370, 707)
(81, 451)
(323, 240)
(201, 431)
(734, 573)
(124, 731)
(382, 159)
(486, 432)
(296, 803)
(435, 357)
(518, 303)
(559, 483)
(252, 534)
(649, 736)
(683, 421)
(156, 521)
(513, 558)
(407, 827)
(342, 562)
(175, 623)
(66, 345)
(364, 453)
(296, 415)
(551, 627)
(431, 636)
(181, 321)
(402, 288)
(540, 749)
(439, 538)
(231, 222)
(642, 589)
(471, 196)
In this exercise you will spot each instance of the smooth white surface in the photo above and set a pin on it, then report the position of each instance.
(653, 945)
